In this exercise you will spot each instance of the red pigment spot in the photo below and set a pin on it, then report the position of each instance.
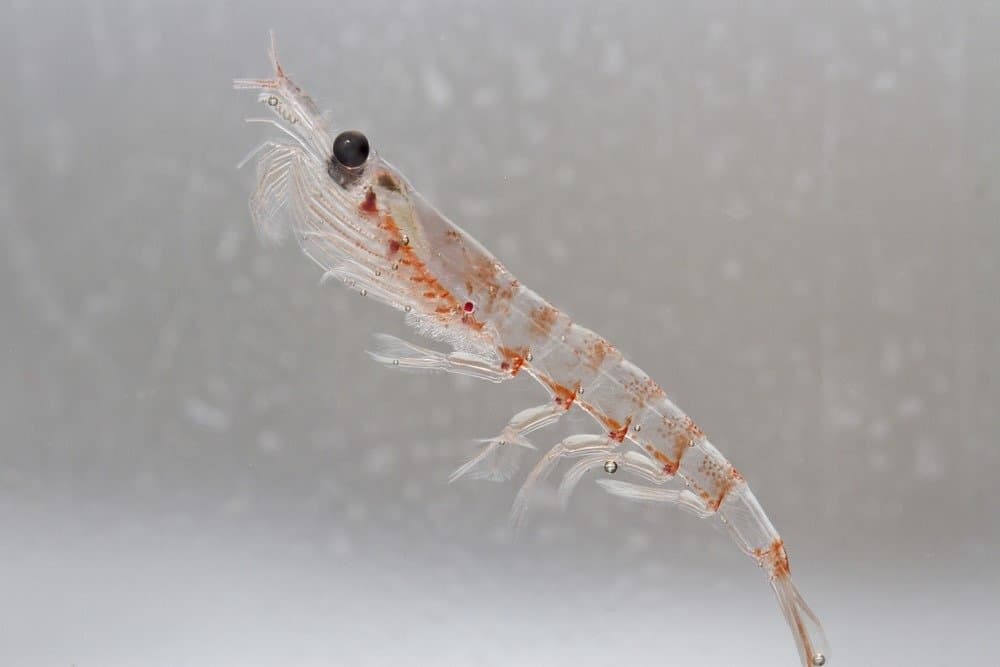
(725, 488)
(618, 434)
(563, 395)
(669, 467)
(393, 246)
(513, 359)
(469, 306)
(368, 205)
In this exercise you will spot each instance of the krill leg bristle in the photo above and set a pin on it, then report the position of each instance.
(574, 446)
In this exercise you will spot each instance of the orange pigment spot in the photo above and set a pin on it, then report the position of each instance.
(564, 396)
(725, 488)
(487, 274)
(418, 271)
(720, 475)
(681, 444)
(597, 352)
(774, 559)
(542, 320)
(471, 321)
(693, 429)
(669, 467)
(513, 359)
(617, 432)
(642, 391)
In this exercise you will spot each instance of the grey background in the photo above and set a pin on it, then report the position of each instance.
(786, 213)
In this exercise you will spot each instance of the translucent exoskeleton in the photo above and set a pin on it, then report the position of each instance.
(363, 223)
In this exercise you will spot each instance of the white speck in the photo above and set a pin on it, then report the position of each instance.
(532, 84)
(262, 267)
(878, 459)
(635, 542)
(804, 181)
(928, 464)
(269, 442)
(565, 175)
(911, 406)
(885, 82)
(508, 245)
(356, 511)
(240, 284)
(558, 251)
(205, 415)
(229, 243)
(843, 417)
(760, 72)
(473, 207)
(486, 97)
(412, 491)
(614, 58)
(378, 460)
(515, 166)
(738, 209)
(732, 269)
(236, 505)
(340, 545)
(717, 32)
(952, 61)
(941, 384)
(437, 88)
(718, 158)
(61, 153)
(892, 358)
(879, 429)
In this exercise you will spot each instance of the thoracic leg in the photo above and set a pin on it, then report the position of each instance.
(498, 458)
(592, 447)
(398, 353)
(641, 466)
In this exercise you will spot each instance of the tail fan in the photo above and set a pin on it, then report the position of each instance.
(806, 629)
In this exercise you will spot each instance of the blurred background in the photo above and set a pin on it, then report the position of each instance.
(785, 213)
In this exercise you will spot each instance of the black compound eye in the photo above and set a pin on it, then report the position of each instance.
(350, 149)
